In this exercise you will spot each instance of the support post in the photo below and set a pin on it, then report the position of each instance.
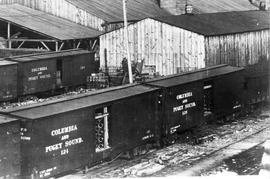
(126, 43)
(56, 46)
(8, 35)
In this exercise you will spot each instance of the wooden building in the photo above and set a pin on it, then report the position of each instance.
(23, 27)
(105, 15)
(177, 7)
(175, 44)
(94, 13)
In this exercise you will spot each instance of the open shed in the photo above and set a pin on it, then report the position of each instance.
(26, 27)
(174, 44)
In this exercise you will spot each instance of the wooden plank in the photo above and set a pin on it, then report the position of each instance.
(182, 58)
(164, 50)
(160, 47)
(176, 51)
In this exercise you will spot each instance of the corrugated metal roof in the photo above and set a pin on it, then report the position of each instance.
(212, 6)
(112, 10)
(78, 102)
(46, 24)
(220, 23)
(47, 55)
(180, 79)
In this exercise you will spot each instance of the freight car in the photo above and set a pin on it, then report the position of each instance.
(70, 133)
(64, 134)
(10, 147)
(187, 97)
(257, 86)
(8, 80)
(36, 73)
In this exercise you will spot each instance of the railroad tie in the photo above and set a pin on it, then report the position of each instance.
(265, 164)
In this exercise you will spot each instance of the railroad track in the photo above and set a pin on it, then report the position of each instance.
(120, 167)
(196, 171)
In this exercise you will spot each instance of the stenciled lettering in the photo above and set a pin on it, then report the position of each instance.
(178, 108)
(73, 142)
(45, 76)
(33, 78)
(190, 105)
(38, 69)
(64, 130)
(53, 147)
(184, 95)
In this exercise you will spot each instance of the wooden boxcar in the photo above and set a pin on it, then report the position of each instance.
(257, 78)
(70, 133)
(47, 71)
(9, 147)
(8, 80)
(34, 74)
(185, 96)
(223, 90)
(77, 66)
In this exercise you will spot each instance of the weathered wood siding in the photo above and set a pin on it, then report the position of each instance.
(61, 8)
(237, 49)
(169, 49)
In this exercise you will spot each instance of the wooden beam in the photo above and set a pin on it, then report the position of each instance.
(32, 40)
(78, 45)
(21, 44)
(45, 45)
(94, 44)
(61, 46)
(8, 35)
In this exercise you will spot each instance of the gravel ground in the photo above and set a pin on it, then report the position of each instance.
(245, 163)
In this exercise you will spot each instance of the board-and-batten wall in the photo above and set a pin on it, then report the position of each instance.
(238, 49)
(170, 49)
(61, 8)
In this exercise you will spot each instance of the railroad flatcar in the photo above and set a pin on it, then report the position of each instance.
(10, 147)
(37, 73)
(186, 97)
(70, 133)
